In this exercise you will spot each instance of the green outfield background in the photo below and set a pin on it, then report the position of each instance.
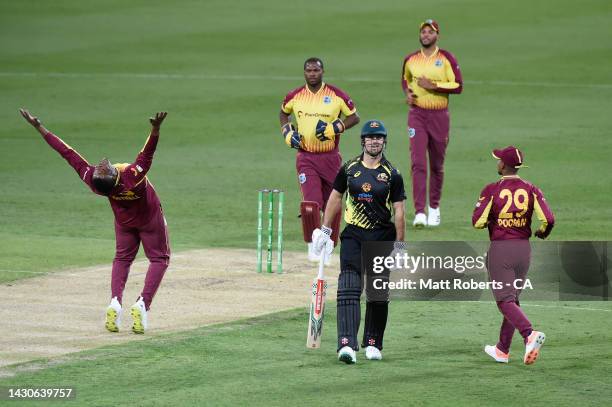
(537, 75)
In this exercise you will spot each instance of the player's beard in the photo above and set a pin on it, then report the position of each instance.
(427, 46)
(374, 153)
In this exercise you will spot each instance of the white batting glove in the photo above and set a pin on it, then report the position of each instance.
(329, 248)
(320, 239)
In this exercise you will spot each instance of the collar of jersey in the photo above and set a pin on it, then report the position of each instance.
(510, 177)
(320, 89)
(432, 55)
(371, 168)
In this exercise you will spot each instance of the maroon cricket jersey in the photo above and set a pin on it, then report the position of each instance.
(506, 208)
(133, 199)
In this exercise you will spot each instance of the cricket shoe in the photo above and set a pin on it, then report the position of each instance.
(113, 316)
(373, 353)
(347, 355)
(532, 348)
(433, 217)
(139, 314)
(497, 354)
(420, 220)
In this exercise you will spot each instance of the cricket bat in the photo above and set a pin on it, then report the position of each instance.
(317, 307)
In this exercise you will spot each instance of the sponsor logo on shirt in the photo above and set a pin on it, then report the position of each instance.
(358, 173)
(125, 196)
(301, 114)
(363, 197)
(382, 177)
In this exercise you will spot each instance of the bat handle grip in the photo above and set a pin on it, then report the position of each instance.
(324, 256)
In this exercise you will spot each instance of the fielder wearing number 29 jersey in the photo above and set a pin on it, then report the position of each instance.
(308, 108)
(506, 208)
(371, 193)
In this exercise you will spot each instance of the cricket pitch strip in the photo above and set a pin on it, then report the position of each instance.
(63, 312)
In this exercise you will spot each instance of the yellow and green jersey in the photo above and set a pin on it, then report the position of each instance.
(441, 68)
(327, 104)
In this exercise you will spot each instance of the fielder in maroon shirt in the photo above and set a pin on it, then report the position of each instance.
(138, 217)
(506, 207)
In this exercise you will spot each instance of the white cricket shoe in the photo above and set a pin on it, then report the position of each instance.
(113, 316)
(139, 314)
(532, 348)
(497, 354)
(347, 355)
(373, 353)
(420, 220)
(433, 217)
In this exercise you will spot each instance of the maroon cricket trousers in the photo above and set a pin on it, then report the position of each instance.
(428, 130)
(154, 238)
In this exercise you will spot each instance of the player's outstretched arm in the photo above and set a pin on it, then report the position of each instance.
(135, 172)
(157, 120)
(80, 165)
(34, 121)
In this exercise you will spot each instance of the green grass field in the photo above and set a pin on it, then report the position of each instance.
(536, 75)
(430, 360)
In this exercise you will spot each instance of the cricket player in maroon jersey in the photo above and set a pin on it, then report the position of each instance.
(322, 113)
(506, 207)
(138, 217)
(429, 75)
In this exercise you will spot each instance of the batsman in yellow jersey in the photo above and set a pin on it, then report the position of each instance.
(322, 112)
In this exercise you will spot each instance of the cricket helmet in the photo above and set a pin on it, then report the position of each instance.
(373, 128)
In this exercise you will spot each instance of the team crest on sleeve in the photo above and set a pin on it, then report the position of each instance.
(302, 178)
(411, 132)
(327, 100)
